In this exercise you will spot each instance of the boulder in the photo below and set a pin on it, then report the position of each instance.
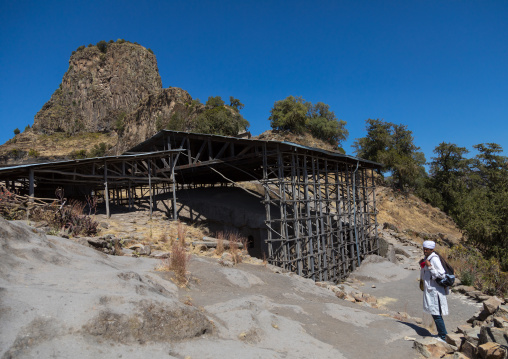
(492, 334)
(473, 335)
(492, 304)
(469, 349)
(432, 348)
(455, 339)
(491, 351)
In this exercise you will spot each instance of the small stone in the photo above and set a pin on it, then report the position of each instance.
(373, 286)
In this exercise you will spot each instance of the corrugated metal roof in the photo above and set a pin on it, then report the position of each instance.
(229, 138)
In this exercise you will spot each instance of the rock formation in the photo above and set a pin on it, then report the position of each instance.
(99, 89)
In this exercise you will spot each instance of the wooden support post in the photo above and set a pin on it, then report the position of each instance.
(31, 190)
(267, 203)
(296, 225)
(310, 233)
(150, 185)
(106, 190)
(130, 196)
(175, 212)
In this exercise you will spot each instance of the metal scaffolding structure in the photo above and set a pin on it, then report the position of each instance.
(320, 206)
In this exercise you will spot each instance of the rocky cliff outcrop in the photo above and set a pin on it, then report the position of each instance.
(99, 89)
(171, 108)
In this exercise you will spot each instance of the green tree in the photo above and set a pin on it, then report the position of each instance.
(214, 102)
(323, 124)
(392, 145)
(220, 119)
(289, 114)
(235, 104)
(16, 131)
(296, 115)
(102, 46)
(447, 175)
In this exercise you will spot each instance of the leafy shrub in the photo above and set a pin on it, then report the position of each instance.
(16, 131)
(33, 153)
(82, 47)
(119, 123)
(120, 41)
(15, 152)
(473, 269)
(296, 115)
(111, 41)
(78, 154)
(98, 150)
(150, 51)
(102, 46)
(220, 119)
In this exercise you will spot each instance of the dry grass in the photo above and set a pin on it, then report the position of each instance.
(57, 144)
(412, 214)
(177, 262)
(235, 239)
(220, 244)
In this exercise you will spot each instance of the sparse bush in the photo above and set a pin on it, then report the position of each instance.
(16, 153)
(33, 153)
(120, 41)
(78, 154)
(82, 47)
(120, 122)
(150, 51)
(473, 269)
(58, 215)
(181, 233)
(235, 239)
(178, 262)
(27, 128)
(111, 41)
(98, 150)
(220, 244)
(102, 46)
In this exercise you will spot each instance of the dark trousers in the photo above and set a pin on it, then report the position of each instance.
(438, 319)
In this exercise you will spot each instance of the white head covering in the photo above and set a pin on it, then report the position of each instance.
(429, 244)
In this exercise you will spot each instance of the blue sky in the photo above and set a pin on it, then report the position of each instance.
(440, 67)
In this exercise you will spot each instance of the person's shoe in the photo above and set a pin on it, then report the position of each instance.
(441, 340)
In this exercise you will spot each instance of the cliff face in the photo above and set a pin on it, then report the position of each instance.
(171, 109)
(99, 88)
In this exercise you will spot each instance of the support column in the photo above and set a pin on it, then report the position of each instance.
(106, 190)
(150, 185)
(31, 188)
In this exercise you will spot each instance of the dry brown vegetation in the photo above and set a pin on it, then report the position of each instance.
(304, 139)
(57, 145)
(410, 214)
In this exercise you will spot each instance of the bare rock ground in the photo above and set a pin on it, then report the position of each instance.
(61, 299)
